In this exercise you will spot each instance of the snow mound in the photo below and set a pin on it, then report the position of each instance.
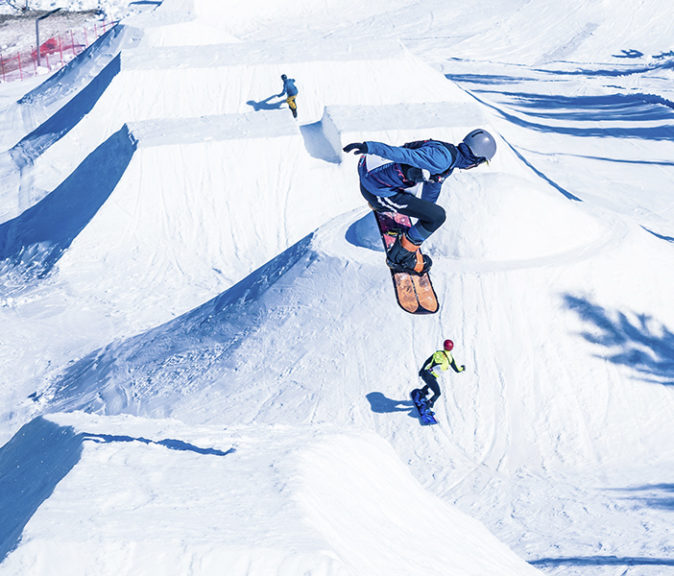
(502, 217)
(299, 500)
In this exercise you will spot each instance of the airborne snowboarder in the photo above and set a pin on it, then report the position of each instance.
(386, 186)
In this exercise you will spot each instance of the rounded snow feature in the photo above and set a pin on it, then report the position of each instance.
(506, 218)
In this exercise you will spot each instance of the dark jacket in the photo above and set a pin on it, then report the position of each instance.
(438, 158)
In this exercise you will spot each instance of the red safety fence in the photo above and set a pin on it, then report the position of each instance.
(55, 52)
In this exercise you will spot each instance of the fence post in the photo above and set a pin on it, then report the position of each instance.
(20, 67)
(37, 30)
(2, 66)
(72, 39)
(61, 49)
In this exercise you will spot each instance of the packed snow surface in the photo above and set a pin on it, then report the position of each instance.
(202, 364)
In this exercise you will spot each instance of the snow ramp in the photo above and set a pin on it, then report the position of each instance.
(305, 500)
(193, 213)
(32, 243)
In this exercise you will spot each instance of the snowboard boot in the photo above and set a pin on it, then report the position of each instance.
(405, 256)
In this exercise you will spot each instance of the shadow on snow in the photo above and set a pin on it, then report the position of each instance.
(637, 341)
(665, 65)
(661, 236)
(627, 107)
(653, 495)
(602, 561)
(661, 132)
(38, 457)
(380, 404)
(36, 239)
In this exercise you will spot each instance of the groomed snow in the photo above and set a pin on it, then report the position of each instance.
(203, 367)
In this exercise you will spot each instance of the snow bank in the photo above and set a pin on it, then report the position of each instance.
(501, 217)
(160, 497)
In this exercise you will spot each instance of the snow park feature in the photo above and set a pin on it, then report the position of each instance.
(203, 369)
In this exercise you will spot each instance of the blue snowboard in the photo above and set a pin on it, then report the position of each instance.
(426, 416)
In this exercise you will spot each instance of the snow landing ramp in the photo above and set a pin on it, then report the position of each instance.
(173, 204)
(306, 500)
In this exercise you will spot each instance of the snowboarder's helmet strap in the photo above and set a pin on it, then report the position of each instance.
(448, 345)
(481, 144)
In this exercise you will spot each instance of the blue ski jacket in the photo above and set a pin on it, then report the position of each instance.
(289, 87)
(439, 158)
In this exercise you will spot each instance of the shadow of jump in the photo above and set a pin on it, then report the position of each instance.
(38, 457)
(37, 238)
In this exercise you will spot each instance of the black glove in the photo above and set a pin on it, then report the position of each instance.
(359, 147)
(416, 175)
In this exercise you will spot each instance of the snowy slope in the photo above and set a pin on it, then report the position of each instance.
(174, 245)
(155, 496)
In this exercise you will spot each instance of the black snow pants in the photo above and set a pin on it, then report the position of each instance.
(431, 383)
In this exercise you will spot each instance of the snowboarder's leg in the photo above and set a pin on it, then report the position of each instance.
(435, 387)
(429, 216)
(431, 383)
(405, 255)
(292, 105)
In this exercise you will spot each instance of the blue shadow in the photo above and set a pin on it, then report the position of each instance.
(667, 64)
(265, 104)
(380, 404)
(662, 132)
(317, 144)
(168, 443)
(661, 236)
(364, 233)
(38, 457)
(602, 561)
(643, 344)
(629, 54)
(37, 238)
(635, 107)
(552, 183)
(485, 79)
(65, 119)
(654, 495)
(32, 463)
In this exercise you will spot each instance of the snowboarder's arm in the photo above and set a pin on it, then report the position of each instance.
(455, 367)
(435, 159)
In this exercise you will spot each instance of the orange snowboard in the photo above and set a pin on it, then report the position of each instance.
(414, 292)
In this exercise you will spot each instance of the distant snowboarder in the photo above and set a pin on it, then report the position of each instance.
(442, 359)
(386, 186)
(290, 90)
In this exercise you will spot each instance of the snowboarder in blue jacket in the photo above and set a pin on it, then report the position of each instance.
(290, 90)
(386, 187)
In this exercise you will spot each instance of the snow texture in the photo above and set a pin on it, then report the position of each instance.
(202, 364)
